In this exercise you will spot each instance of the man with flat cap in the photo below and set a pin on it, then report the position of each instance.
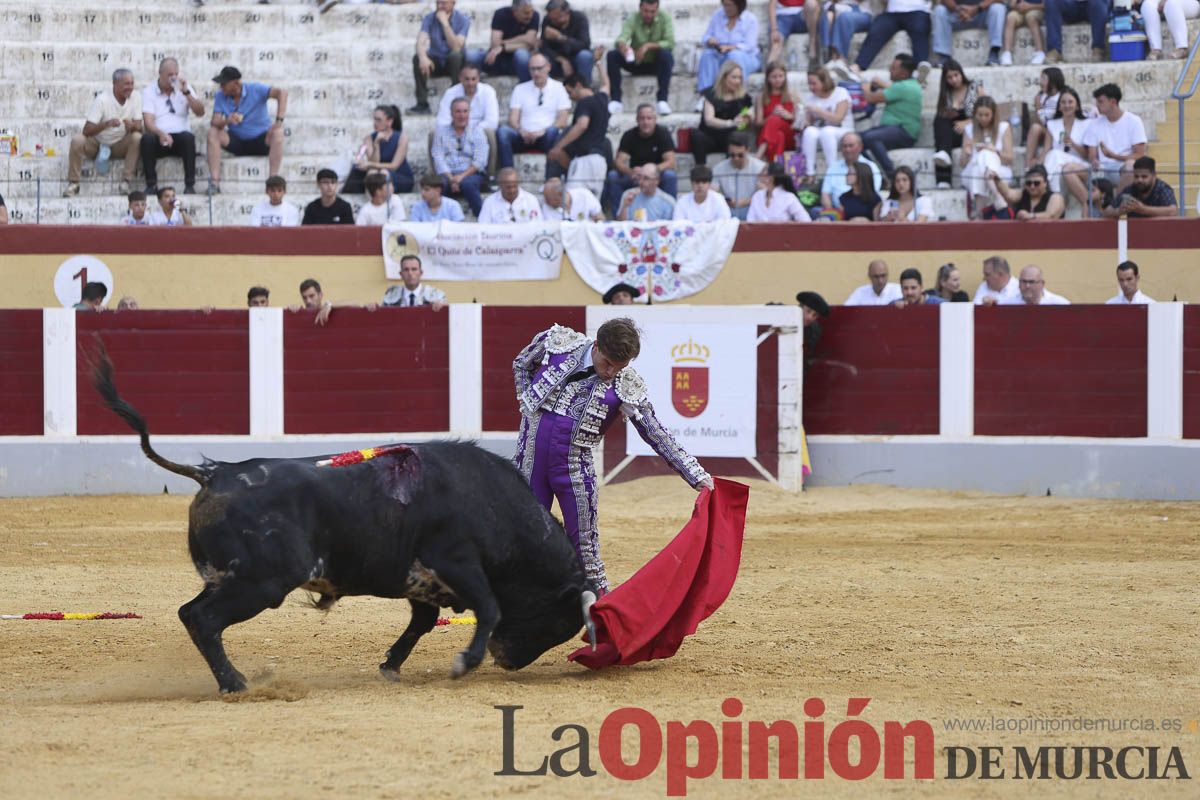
(621, 295)
(813, 308)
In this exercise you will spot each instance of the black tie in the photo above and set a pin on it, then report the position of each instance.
(579, 376)
(412, 298)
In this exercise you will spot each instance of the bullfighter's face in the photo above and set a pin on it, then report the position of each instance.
(607, 368)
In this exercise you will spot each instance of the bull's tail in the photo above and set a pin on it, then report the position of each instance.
(102, 380)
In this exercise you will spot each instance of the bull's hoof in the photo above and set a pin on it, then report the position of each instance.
(235, 682)
(460, 667)
(388, 673)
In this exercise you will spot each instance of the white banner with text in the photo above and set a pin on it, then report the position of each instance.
(470, 251)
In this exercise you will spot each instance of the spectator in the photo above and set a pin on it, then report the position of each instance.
(460, 154)
(737, 175)
(314, 300)
(900, 124)
(381, 207)
(127, 303)
(258, 297)
(647, 203)
(949, 285)
(834, 185)
(514, 39)
(588, 134)
(1147, 196)
(136, 215)
(577, 204)
(878, 292)
(645, 143)
(165, 107)
(1051, 84)
(727, 108)
(538, 112)
(731, 35)
(645, 46)
(1128, 276)
(1035, 201)
(274, 211)
(987, 150)
(1177, 12)
(955, 105)
(328, 208)
(566, 41)
(170, 210)
(1101, 196)
(91, 298)
(621, 295)
(910, 16)
(441, 50)
(849, 17)
(1033, 291)
(511, 204)
(860, 200)
(774, 113)
(431, 207)
(1060, 11)
(1115, 139)
(411, 292)
(1062, 150)
(785, 17)
(826, 118)
(775, 200)
(385, 148)
(1029, 13)
(904, 203)
(242, 125)
(485, 109)
(999, 286)
(702, 204)
(113, 127)
(959, 15)
(813, 308)
(912, 291)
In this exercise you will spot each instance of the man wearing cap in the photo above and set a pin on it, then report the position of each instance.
(242, 124)
(570, 390)
(621, 295)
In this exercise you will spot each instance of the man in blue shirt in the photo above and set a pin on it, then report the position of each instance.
(242, 124)
(441, 50)
(431, 207)
(646, 203)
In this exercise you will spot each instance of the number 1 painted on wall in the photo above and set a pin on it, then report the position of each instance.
(82, 275)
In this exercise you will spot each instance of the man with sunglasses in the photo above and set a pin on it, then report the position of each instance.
(538, 111)
(165, 107)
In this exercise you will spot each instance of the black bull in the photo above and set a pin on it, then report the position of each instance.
(441, 524)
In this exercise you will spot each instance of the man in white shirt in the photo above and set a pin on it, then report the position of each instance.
(737, 175)
(878, 292)
(485, 108)
(999, 286)
(170, 211)
(510, 204)
(538, 111)
(1115, 138)
(412, 293)
(1130, 295)
(274, 211)
(577, 204)
(113, 127)
(165, 107)
(382, 208)
(1034, 291)
(702, 204)
(834, 184)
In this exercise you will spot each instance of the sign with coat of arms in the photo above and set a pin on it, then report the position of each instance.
(701, 379)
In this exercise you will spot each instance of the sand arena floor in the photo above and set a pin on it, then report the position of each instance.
(935, 605)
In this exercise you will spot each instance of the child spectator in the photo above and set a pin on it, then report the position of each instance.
(274, 211)
(774, 113)
(382, 208)
(170, 210)
(431, 207)
(136, 215)
(328, 209)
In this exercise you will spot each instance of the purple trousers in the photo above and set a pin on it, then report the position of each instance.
(562, 469)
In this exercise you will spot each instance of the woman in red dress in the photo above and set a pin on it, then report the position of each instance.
(774, 112)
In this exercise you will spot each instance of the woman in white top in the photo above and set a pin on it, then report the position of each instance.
(826, 118)
(987, 147)
(1177, 12)
(775, 200)
(904, 204)
(1064, 156)
(1045, 104)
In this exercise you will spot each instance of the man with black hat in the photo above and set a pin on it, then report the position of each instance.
(813, 309)
(242, 125)
(621, 295)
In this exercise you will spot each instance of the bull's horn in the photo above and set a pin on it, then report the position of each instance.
(587, 599)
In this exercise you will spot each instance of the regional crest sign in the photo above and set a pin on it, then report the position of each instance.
(689, 378)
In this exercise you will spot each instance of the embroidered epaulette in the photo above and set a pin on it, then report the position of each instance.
(562, 339)
(630, 387)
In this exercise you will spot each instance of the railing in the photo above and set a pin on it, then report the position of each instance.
(1181, 97)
